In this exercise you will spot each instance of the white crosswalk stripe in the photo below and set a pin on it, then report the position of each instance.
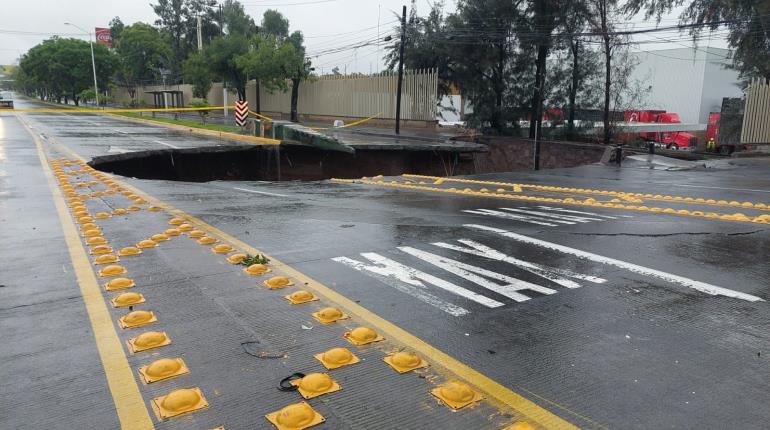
(521, 218)
(547, 216)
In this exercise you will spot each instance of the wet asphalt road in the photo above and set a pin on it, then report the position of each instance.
(633, 351)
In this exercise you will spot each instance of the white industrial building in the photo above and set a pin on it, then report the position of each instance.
(688, 81)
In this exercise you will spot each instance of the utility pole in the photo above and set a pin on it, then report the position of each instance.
(93, 62)
(538, 123)
(400, 70)
(200, 33)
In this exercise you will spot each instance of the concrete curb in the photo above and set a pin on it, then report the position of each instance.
(223, 135)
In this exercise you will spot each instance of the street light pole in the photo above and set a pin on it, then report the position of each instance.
(93, 61)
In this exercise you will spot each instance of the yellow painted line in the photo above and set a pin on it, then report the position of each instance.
(620, 194)
(501, 396)
(761, 219)
(129, 405)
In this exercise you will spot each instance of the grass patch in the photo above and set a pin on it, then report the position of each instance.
(185, 122)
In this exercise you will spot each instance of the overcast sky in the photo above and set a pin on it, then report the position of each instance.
(325, 24)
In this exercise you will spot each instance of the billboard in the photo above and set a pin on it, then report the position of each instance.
(103, 36)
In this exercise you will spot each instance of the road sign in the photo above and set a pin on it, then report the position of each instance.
(241, 112)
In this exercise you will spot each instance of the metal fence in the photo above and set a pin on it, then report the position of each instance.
(362, 96)
(756, 118)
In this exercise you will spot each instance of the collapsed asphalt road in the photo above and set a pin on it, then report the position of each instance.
(603, 317)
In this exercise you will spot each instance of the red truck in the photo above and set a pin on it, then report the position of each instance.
(677, 140)
(713, 142)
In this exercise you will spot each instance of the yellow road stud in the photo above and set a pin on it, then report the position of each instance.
(85, 220)
(93, 233)
(300, 297)
(129, 250)
(106, 259)
(336, 358)
(160, 237)
(277, 282)
(195, 234)
(133, 208)
(98, 240)
(112, 270)
(179, 402)
(147, 243)
(185, 227)
(236, 258)
(119, 211)
(154, 209)
(297, 416)
(456, 394)
(119, 284)
(176, 221)
(405, 361)
(102, 215)
(88, 226)
(222, 249)
(316, 384)
(137, 319)
(101, 249)
(362, 336)
(148, 340)
(329, 315)
(164, 368)
(172, 232)
(206, 240)
(127, 299)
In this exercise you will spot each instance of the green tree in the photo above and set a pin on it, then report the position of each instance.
(222, 58)
(141, 54)
(178, 21)
(261, 63)
(273, 22)
(748, 22)
(60, 69)
(116, 27)
(427, 45)
(296, 67)
(197, 73)
(488, 62)
(235, 19)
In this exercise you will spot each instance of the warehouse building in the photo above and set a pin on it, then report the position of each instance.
(689, 81)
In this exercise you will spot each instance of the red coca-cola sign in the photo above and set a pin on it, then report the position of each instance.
(103, 36)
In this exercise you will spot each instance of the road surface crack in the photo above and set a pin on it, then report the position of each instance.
(705, 233)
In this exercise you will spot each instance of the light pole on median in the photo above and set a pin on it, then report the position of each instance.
(93, 62)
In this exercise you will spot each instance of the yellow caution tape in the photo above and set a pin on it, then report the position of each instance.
(92, 110)
(260, 116)
(361, 121)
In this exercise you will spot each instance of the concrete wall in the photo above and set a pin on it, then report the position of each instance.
(332, 96)
(509, 153)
